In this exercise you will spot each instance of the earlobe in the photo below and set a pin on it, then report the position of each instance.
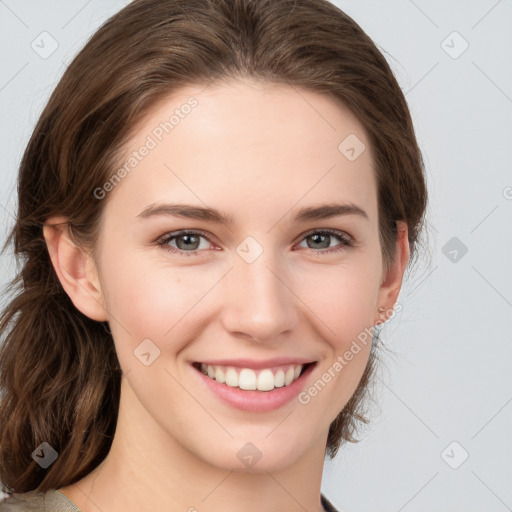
(392, 280)
(75, 269)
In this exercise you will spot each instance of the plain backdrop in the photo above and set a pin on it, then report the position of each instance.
(440, 436)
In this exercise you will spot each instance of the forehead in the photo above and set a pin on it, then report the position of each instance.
(246, 145)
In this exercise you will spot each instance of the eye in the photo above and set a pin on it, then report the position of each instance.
(320, 240)
(187, 242)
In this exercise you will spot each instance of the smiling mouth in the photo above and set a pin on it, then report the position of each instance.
(264, 379)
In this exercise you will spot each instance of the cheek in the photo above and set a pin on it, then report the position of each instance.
(147, 300)
(135, 298)
(342, 297)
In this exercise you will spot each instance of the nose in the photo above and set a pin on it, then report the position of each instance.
(258, 300)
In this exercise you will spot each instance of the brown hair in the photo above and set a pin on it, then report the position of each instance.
(59, 373)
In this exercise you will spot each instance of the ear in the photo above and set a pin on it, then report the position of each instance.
(392, 279)
(75, 269)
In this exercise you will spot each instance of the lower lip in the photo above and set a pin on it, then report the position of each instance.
(256, 401)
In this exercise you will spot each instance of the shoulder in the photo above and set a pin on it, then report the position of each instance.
(33, 501)
(28, 501)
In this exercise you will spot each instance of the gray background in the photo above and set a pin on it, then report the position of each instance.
(446, 393)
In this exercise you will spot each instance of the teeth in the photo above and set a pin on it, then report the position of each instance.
(279, 379)
(231, 377)
(288, 378)
(249, 379)
(266, 380)
(219, 375)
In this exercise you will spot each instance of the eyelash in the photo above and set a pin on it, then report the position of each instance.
(163, 242)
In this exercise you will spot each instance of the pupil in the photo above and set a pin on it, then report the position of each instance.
(316, 237)
(189, 238)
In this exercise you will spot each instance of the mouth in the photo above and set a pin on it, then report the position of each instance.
(263, 379)
(255, 386)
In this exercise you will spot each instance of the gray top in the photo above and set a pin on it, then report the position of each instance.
(56, 501)
(49, 501)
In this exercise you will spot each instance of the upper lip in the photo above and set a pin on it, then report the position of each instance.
(257, 364)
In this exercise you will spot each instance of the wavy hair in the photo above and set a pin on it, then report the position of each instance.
(59, 372)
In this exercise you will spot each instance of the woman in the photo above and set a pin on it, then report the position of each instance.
(216, 208)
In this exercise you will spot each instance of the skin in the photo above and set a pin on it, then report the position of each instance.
(258, 152)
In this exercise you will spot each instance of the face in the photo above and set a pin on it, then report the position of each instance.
(246, 281)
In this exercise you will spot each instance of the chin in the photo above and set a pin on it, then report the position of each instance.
(262, 454)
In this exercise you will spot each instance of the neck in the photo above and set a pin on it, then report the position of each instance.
(146, 469)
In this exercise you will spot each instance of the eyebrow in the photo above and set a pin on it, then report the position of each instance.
(187, 211)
